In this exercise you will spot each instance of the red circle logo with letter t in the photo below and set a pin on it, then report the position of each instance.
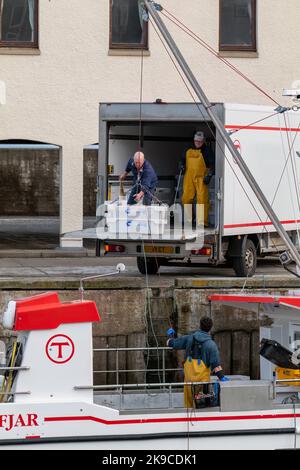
(60, 349)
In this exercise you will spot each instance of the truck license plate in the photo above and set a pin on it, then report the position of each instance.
(165, 250)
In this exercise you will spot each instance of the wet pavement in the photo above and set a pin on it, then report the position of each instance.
(29, 248)
(86, 266)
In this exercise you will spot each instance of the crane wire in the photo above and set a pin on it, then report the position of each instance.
(208, 47)
(242, 128)
(265, 230)
(279, 111)
(286, 163)
(288, 158)
(148, 307)
(194, 36)
(141, 100)
(292, 161)
(208, 125)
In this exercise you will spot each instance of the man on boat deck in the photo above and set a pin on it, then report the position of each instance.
(201, 357)
(198, 167)
(144, 179)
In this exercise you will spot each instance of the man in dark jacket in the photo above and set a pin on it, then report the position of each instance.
(201, 357)
(144, 179)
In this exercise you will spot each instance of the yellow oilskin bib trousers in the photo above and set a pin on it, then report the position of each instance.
(194, 372)
(193, 185)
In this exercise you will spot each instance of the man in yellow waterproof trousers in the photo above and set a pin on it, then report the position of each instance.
(201, 357)
(198, 166)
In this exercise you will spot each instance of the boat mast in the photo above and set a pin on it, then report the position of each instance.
(292, 253)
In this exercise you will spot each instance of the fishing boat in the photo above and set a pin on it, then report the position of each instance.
(49, 400)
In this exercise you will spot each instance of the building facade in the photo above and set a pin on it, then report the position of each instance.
(60, 59)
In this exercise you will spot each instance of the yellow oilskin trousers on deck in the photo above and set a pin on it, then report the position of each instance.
(194, 372)
(193, 186)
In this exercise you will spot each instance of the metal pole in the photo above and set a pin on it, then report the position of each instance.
(152, 9)
(164, 365)
(117, 367)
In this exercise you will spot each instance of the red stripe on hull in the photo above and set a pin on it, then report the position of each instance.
(172, 420)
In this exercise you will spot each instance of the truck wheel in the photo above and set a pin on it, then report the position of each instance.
(245, 266)
(150, 266)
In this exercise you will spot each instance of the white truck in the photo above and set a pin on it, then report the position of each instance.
(239, 230)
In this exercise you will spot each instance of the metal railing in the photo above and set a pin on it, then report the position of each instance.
(146, 388)
(17, 369)
(9, 393)
(118, 371)
(277, 382)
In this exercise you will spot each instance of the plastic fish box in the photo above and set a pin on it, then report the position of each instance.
(135, 226)
(123, 211)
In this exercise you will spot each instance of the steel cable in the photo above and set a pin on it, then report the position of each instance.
(208, 47)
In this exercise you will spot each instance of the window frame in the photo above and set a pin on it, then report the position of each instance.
(128, 46)
(25, 44)
(240, 47)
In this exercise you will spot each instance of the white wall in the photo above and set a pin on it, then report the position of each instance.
(53, 97)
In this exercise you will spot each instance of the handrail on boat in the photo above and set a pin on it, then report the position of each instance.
(142, 386)
(161, 361)
(165, 387)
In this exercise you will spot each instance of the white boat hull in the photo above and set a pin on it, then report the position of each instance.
(260, 442)
(90, 426)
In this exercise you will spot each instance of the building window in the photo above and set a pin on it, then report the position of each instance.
(18, 23)
(128, 30)
(238, 25)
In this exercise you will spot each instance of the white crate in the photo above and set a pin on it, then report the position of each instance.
(122, 210)
(122, 218)
(135, 226)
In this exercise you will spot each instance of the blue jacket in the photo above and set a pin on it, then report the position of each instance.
(146, 176)
(199, 345)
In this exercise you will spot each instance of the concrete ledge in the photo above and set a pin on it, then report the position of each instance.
(56, 253)
(258, 282)
(19, 51)
(72, 283)
(239, 54)
(71, 243)
(128, 52)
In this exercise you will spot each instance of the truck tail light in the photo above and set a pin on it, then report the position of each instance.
(203, 252)
(114, 249)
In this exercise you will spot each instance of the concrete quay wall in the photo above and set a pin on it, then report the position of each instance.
(136, 316)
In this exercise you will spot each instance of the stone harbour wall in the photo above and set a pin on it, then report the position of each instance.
(137, 317)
